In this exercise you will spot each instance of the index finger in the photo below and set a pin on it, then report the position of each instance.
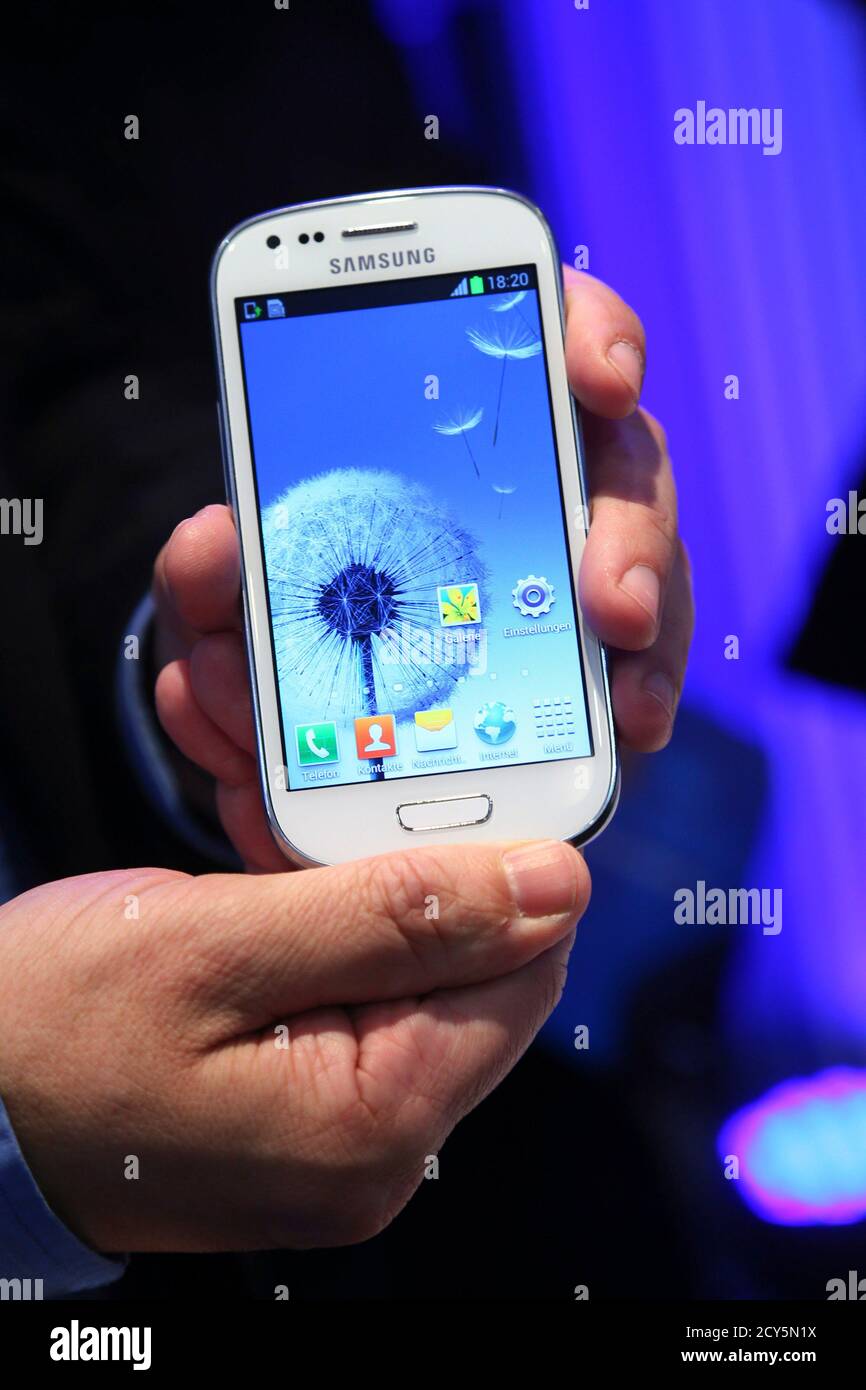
(605, 346)
(196, 578)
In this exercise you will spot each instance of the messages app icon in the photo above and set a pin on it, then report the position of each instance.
(434, 730)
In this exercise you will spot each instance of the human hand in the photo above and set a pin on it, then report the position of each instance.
(635, 587)
(143, 1014)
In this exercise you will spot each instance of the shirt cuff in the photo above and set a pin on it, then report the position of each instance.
(145, 743)
(34, 1243)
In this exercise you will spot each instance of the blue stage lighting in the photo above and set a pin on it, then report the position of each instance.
(801, 1150)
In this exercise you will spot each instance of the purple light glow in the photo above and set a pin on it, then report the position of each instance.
(745, 266)
(802, 1150)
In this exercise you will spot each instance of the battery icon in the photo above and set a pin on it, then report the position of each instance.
(476, 284)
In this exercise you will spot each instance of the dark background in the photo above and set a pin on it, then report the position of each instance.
(597, 1168)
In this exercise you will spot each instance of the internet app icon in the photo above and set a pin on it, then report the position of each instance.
(435, 730)
(494, 723)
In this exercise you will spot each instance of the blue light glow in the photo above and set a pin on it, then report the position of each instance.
(802, 1150)
(738, 265)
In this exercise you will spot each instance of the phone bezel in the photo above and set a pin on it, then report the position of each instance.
(467, 226)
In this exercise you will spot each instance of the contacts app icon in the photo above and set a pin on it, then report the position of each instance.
(434, 730)
(375, 736)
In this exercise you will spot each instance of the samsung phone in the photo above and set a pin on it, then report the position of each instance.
(404, 461)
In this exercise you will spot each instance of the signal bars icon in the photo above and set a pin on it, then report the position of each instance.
(470, 284)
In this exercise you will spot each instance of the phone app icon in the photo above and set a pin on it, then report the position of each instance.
(458, 603)
(376, 737)
(533, 596)
(435, 729)
(252, 310)
(317, 743)
(494, 723)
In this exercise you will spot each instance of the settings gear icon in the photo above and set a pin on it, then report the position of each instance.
(533, 596)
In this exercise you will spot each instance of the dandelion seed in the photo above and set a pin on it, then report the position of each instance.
(506, 342)
(462, 420)
(460, 423)
(509, 302)
(354, 558)
(504, 490)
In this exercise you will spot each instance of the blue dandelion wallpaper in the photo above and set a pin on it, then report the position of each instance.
(417, 568)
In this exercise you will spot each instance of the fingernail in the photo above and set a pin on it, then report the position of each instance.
(642, 584)
(543, 878)
(625, 359)
(662, 690)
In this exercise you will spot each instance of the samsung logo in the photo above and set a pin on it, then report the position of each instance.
(381, 260)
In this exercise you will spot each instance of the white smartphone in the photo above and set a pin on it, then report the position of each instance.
(404, 461)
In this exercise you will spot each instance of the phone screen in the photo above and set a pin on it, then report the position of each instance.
(422, 612)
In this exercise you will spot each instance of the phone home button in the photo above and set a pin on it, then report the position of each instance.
(445, 812)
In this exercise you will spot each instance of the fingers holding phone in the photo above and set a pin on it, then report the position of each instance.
(245, 1063)
(342, 640)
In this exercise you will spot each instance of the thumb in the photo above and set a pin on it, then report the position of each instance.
(378, 929)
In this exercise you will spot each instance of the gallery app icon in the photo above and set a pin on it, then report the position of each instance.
(434, 730)
(458, 603)
(375, 736)
(317, 743)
